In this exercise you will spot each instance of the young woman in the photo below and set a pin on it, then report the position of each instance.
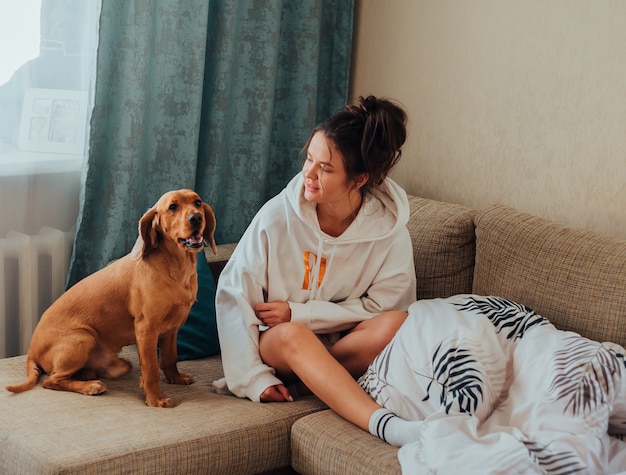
(302, 295)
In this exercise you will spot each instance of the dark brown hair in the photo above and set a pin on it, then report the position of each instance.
(369, 136)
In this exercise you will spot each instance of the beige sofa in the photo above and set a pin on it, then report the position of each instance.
(575, 278)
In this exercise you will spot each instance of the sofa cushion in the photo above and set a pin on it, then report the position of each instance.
(51, 432)
(197, 338)
(443, 247)
(325, 443)
(574, 278)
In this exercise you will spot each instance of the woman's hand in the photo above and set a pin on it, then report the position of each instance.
(273, 313)
(278, 393)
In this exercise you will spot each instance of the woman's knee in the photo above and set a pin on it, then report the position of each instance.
(283, 338)
(381, 330)
(279, 346)
(386, 325)
(356, 350)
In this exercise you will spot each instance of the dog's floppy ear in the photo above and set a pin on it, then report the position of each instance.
(147, 234)
(209, 228)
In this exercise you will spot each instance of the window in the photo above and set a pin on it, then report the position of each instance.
(46, 74)
(19, 33)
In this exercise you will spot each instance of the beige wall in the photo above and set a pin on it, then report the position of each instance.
(515, 102)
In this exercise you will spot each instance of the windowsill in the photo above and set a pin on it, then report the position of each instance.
(16, 162)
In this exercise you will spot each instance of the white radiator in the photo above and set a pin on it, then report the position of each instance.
(33, 271)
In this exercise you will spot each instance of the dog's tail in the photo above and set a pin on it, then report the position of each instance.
(33, 372)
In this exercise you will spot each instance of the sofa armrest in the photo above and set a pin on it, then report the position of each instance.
(217, 262)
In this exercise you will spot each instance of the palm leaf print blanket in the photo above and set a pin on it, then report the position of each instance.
(498, 389)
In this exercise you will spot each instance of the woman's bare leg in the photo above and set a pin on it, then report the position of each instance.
(292, 348)
(359, 347)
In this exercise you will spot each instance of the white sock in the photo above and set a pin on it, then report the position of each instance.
(393, 429)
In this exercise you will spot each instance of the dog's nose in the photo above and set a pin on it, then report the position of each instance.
(195, 219)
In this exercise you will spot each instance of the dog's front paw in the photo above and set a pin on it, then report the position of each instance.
(93, 388)
(181, 378)
(159, 402)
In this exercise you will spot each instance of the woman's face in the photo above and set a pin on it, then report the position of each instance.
(325, 178)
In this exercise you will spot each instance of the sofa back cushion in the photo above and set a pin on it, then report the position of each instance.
(574, 278)
(443, 247)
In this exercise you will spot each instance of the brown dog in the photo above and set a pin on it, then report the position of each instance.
(142, 298)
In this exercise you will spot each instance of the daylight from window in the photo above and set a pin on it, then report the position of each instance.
(47, 74)
(47, 58)
(19, 35)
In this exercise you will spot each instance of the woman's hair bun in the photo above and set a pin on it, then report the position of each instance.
(384, 133)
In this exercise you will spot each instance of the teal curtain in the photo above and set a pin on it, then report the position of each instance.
(216, 95)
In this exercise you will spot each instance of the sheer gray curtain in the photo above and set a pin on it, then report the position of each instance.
(47, 72)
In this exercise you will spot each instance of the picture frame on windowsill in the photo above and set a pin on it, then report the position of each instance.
(53, 121)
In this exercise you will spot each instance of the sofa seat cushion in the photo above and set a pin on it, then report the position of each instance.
(51, 432)
(325, 443)
(443, 247)
(574, 278)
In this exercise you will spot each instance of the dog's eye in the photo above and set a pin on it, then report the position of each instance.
(198, 203)
(173, 207)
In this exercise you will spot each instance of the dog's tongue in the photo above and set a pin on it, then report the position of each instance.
(193, 241)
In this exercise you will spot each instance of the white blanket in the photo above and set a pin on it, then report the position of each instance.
(500, 390)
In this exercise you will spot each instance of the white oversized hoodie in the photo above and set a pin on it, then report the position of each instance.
(331, 283)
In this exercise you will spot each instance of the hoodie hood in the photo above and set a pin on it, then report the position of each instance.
(384, 209)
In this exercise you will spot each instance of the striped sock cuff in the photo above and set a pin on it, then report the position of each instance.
(378, 422)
